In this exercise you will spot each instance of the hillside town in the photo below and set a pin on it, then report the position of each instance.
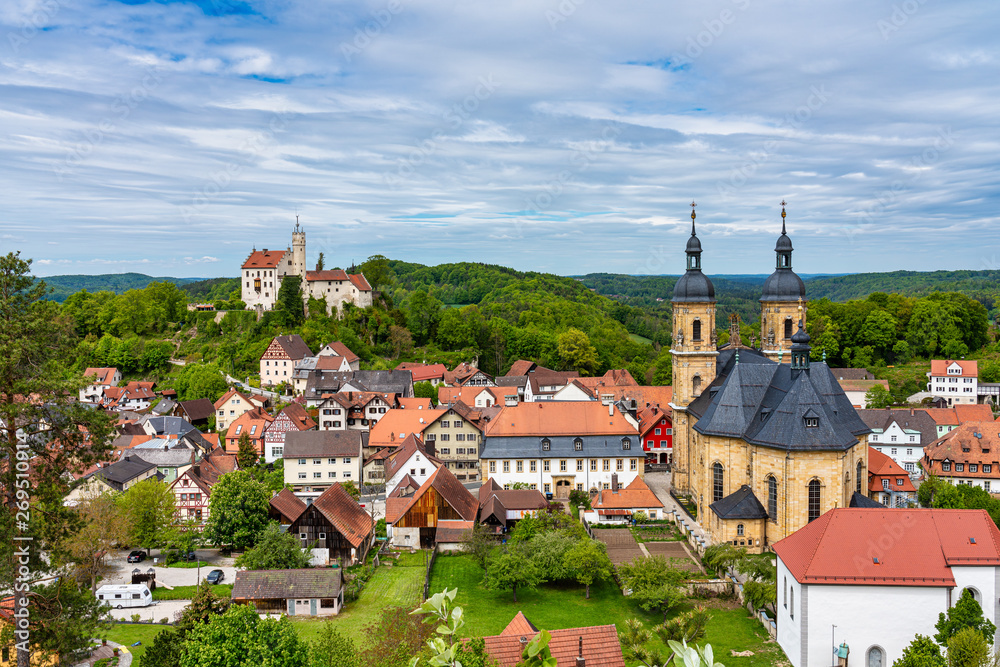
(761, 485)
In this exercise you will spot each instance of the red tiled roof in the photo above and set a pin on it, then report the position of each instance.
(102, 375)
(912, 547)
(939, 367)
(559, 418)
(264, 259)
(344, 351)
(346, 515)
(599, 643)
(414, 403)
(973, 412)
(635, 495)
(360, 282)
(450, 490)
(225, 397)
(650, 418)
(952, 445)
(453, 531)
(333, 275)
(423, 372)
(393, 427)
(300, 418)
(411, 445)
(520, 367)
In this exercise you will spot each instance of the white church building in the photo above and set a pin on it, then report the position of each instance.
(263, 271)
(872, 579)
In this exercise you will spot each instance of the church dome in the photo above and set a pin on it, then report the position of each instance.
(783, 285)
(694, 244)
(800, 337)
(784, 244)
(693, 286)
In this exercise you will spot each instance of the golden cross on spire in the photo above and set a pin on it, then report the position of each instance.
(782, 208)
(692, 210)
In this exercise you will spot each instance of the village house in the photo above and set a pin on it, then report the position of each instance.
(338, 349)
(969, 454)
(321, 384)
(478, 397)
(353, 410)
(336, 287)
(292, 418)
(433, 373)
(315, 460)
(541, 384)
(193, 487)
(901, 434)
(594, 646)
(393, 428)
(252, 424)
(102, 378)
(413, 520)
(619, 503)
(467, 375)
(310, 592)
(277, 364)
(656, 433)
(954, 381)
(556, 447)
(888, 483)
(285, 507)
(948, 419)
(195, 412)
(455, 435)
(856, 382)
(231, 407)
(373, 470)
(411, 459)
(503, 508)
(914, 562)
(335, 527)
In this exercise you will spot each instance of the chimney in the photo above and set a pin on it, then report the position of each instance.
(611, 409)
(580, 662)
(128, 457)
(614, 482)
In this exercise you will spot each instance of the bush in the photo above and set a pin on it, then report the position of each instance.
(136, 618)
(164, 621)
(577, 497)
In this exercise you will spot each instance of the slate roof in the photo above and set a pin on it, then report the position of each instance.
(915, 419)
(859, 500)
(288, 504)
(511, 381)
(164, 407)
(765, 403)
(742, 504)
(308, 444)
(345, 514)
(284, 584)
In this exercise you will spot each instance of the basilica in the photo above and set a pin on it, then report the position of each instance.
(765, 440)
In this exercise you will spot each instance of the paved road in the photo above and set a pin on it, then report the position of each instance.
(171, 576)
(156, 612)
(659, 483)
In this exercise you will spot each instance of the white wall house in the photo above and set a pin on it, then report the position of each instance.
(955, 381)
(411, 459)
(900, 444)
(872, 579)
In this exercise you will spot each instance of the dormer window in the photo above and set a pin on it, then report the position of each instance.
(812, 422)
(578, 444)
(546, 444)
(626, 443)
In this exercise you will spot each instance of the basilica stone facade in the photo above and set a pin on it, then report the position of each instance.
(765, 440)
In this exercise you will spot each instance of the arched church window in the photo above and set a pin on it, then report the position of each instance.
(788, 327)
(814, 500)
(696, 384)
(772, 498)
(717, 473)
(696, 330)
(861, 472)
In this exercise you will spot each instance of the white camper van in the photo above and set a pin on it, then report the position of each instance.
(125, 595)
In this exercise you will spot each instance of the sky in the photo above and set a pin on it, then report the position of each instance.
(569, 136)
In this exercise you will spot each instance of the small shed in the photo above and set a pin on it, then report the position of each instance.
(313, 592)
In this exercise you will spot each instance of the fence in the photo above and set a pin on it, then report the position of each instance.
(427, 574)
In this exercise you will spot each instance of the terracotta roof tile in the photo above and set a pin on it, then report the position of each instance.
(331, 274)
(359, 281)
(229, 394)
(939, 367)
(288, 504)
(414, 403)
(453, 531)
(264, 259)
(273, 584)
(423, 372)
(393, 427)
(346, 515)
(344, 351)
(558, 418)
(636, 495)
(599, 643)
(101, 375)
(520, 367)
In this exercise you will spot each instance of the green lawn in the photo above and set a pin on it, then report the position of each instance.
(128, 634)
(189, 564)
(641, 339)
(187, 592)
(389, 586)
(557, 606)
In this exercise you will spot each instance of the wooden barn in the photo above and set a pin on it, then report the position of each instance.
(336, 522)
(413, 520)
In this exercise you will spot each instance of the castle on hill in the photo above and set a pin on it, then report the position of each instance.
(263, 271)
(765, 440)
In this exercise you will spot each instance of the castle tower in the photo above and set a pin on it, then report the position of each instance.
(693, 352)
(298, 251)
(782, 302)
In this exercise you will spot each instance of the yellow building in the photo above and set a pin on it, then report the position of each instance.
(761, 447)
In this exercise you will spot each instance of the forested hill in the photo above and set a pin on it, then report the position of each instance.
(119, 283)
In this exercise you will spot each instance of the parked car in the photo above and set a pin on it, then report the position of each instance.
(215, 577)
(136, 556)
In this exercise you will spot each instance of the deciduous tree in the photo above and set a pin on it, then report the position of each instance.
(588, 562)
(238, 510)
(653, 583)
(149, 509)
(576, 351)
(511, 569)
(241, 637)
(276, 550)
(104, 526)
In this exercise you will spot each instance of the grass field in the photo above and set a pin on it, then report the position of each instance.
(187, 592)
(129, 634)
(641, 339)
(557, 606)
(400, 585)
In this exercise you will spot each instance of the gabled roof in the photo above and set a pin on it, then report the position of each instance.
(345, 514)
(344, 351)
(852, 374)
(973, 436)
(520, 367)
(298, 416)
(970, 368)
(559, 418)
(255, 420)
(410, 446)
(393, 427)
(742, 504)
(293, 346)
(105, 376)
(906, 418)
(858, 500)
(322, 444)
(288, 504)
(973, 412)
(198, 409)
(650, 418)
(451, 491)
(882, 467)
(414, 403)
(225, 398)
(124, 471)
(454, 531)
(468, 395)
(848, 546)
(264, 259)
(329, 274)
(359, 281)
(599, 644)
(274, 584)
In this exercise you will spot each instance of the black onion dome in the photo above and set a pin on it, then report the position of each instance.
(800, 337)
(694, 244)
(783, 285)
(694, 287)
(784, 244)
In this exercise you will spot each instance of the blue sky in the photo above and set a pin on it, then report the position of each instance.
(558, 135)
